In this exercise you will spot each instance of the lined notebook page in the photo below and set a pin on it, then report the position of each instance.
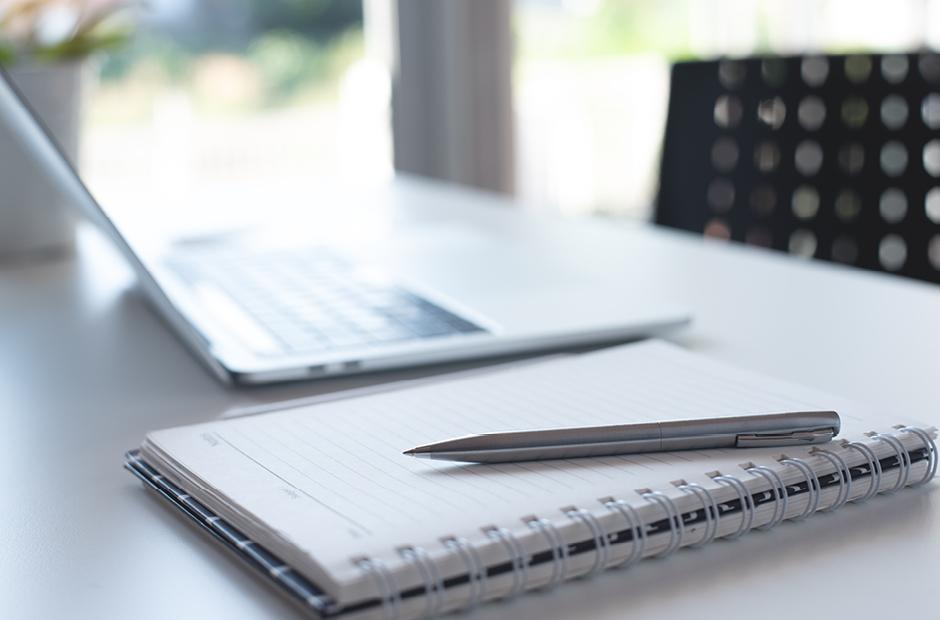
(331, 483)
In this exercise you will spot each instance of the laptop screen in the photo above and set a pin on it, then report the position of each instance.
(149, 184)
(30, 142)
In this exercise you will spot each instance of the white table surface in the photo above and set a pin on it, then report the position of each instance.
(86, 369)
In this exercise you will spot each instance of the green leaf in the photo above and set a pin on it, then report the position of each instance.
(96, 32)
(81, 46)
(7, 54)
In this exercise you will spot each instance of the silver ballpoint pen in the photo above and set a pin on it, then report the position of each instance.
(796, 428)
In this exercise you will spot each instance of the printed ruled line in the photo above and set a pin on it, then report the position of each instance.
(347, 518)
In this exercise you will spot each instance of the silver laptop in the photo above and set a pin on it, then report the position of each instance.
(433, 281)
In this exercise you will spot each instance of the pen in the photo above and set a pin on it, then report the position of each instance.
(795, 428)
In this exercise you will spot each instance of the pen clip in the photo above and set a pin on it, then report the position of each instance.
(786, 438)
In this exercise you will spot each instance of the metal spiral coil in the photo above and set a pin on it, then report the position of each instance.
(932, 455)
(747, 504)
(601, 539)
(844, 474)
(520, 573)
(709, 507)
(433, 587)
(781, 498)
(812, 486)
(676, 526)
(634, 525)
(904, 459)
(558, 547)
(388, 589)
(874, 469)
(476, 572)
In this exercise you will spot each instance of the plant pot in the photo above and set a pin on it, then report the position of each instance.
(36, 220)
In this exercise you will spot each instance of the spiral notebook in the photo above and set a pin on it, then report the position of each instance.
(321, 502)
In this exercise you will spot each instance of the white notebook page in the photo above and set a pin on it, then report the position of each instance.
(330, 481)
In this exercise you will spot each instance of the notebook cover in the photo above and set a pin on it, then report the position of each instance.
(311, 598)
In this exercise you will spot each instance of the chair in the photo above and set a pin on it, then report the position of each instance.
(832, 157)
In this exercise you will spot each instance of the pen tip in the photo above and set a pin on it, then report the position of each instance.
(419, 452)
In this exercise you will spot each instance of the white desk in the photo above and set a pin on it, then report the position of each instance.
(86, 369)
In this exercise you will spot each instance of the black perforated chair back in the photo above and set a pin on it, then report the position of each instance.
(832, 157)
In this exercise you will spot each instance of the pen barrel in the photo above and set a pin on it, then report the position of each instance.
(772, 423)
(564, 443)
(772, 429)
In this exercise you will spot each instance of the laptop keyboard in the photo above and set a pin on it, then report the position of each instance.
(310, 301)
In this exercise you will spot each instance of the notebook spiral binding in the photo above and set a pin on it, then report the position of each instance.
(601, 538)
(710, 508)
(478, 575)
(747, 505)
(845, 477)
(517, 559)
(874, 468)
(556, 544)
(781, 498)
(812, 486)
(636, 529)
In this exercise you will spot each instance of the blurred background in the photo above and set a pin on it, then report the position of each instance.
(573, 124)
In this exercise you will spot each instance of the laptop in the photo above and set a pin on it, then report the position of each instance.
(298, 297)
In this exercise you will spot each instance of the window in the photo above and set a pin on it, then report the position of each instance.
(591, 79)
(211, 92)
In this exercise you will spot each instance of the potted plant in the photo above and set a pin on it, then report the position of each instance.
(43, 44)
